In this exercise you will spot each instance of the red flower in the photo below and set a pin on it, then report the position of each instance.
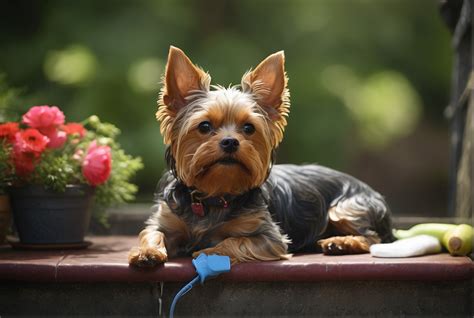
(97, 164)
(44, 118)
(8, 131)
(74, 129)
(27, 148)
(30, 141)
(24, 162)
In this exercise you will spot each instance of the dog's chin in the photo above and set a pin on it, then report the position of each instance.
(226, 163)
(224, 176)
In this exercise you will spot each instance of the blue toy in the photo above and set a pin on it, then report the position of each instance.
(207, 266)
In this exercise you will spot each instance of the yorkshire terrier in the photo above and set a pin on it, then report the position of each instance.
(223, 195)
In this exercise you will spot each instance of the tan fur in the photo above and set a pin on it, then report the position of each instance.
(181, 78)
(345, 220)
(202, 164)
(151, 250)
(154, 245)
(199, 169)
(354, 223)
(235, 239)
(268, 83)
(173, 227)
(229, 236)
(264, 102)
(248, 249)
(170, 222)
(195, 153)
(349, 244)
(242, 226)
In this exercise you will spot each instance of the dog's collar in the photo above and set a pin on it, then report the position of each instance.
(199, 201)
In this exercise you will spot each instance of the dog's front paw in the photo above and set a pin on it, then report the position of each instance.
(340, 245)
(147, 256)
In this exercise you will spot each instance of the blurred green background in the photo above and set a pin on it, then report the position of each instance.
(369, 79)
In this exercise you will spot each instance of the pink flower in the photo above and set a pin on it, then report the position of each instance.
(44, 118)
(57, 139)
(97, 164)
(30, 141)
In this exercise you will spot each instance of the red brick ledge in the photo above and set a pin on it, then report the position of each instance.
(106, 261)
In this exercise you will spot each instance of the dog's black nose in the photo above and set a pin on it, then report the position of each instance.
(229, 144)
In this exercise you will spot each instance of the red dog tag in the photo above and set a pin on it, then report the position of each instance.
(197, 208)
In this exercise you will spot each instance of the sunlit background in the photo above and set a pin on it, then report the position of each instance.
(369, 80)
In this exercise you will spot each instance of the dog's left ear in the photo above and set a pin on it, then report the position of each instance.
(268, 84)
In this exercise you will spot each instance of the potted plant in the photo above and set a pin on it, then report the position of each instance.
(9, 96)
(5, 212)
(54, 171)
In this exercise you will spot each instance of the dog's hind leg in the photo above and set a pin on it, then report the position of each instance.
(359, 222)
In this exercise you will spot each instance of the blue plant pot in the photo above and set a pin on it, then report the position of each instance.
(46, 217)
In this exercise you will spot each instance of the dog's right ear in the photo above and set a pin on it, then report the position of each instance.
(181, 80)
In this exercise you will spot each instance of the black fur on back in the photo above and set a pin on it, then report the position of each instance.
(300, 196)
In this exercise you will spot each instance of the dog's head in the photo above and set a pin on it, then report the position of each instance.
(221, 139)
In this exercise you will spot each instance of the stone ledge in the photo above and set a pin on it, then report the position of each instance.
(106, 261)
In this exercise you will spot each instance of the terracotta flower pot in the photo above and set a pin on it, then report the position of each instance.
(47, 217)
(5, 217)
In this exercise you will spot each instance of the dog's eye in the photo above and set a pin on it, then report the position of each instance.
(205, 127)
(249, 129)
